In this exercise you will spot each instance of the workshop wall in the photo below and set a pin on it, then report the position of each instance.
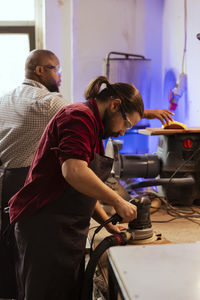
(57, 26)
(98, 28)
(188, 109)
(84, 32)
(130, 26)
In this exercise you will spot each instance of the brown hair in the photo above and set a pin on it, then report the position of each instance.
(129, 95)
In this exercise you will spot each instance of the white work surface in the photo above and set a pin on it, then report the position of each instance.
(157, 272)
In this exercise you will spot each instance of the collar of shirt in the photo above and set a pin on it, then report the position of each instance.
(93, 103)
(34, 83)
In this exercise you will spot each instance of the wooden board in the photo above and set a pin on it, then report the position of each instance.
(161, 131)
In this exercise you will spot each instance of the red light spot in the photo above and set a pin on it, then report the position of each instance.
(188, 143)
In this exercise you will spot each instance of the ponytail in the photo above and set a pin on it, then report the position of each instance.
(94, 87)
(128, 93)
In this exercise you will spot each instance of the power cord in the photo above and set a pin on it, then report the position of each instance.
(188, 213)
(114, 220)
(177, 213)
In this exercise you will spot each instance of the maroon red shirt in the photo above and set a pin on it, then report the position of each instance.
(74, 132)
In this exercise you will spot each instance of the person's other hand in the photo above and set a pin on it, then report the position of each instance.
(164, 115)
(115, 228)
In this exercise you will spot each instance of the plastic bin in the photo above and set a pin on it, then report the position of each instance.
(133, 142)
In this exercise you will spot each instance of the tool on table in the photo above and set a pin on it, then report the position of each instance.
(175, 169)
(174, 125)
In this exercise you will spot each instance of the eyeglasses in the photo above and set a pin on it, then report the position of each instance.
(124, 116)
(57, 69)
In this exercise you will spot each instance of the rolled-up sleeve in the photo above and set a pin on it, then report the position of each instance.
(76, 135)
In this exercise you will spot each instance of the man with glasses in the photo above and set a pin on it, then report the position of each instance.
(24, 114)
(52, 212)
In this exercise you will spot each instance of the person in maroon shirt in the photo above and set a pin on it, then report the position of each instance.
(52, 211)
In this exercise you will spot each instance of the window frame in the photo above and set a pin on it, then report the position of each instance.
(27, 29)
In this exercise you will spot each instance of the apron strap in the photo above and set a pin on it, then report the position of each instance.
(90, 106)
(13, 181)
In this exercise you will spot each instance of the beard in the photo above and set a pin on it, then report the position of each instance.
(107, 121)
(50, 84)
(53, 88)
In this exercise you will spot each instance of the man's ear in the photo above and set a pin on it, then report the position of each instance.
(114, 104)
(39, 70)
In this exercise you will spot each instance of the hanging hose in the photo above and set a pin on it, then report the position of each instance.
(112, 240)
(161, 181)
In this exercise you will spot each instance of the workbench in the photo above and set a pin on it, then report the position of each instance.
(162, 131)
(179, 231)
(164, 269)
(167, 272)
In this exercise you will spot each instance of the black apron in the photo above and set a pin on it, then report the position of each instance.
(13, 180)
(51, 243)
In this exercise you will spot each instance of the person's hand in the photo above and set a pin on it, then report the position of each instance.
(126, 210)
(163, 115)
(115, 228)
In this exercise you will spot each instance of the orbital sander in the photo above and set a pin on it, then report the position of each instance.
(141, 227)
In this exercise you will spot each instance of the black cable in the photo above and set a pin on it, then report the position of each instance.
(188, 212)
(178, 213)
(114, 219)
(159, 181)
(112, 240)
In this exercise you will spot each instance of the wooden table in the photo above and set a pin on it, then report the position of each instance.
(161, 131)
